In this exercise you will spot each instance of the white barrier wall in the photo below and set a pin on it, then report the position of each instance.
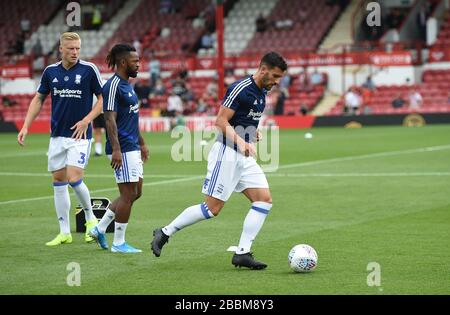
(18, 86)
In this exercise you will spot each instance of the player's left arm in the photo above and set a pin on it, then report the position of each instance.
(82, 126)
(145, 153)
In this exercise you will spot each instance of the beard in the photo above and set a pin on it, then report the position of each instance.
(132, 73)
(268, 87)
(265, 82)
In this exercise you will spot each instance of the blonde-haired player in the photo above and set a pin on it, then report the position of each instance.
(72, 83)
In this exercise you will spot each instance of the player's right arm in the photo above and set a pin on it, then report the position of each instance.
(111, 128)
(110, 107)
(33, 111)
(229, 106)
(35, 106)
(222, 123)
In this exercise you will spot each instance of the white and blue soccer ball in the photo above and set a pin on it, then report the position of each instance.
(302, 258)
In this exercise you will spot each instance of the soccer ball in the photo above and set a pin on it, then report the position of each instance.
(302, 258)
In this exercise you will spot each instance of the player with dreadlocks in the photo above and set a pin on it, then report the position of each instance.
(125, 147)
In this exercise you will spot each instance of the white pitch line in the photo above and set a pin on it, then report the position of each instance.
(366, 156)
(170, 181)
(162, 182)
(23, 154)
(361, 174)
(349, 158)
(180, 176)
(89, 175)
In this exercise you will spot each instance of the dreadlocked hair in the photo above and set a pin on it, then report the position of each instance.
(117, 53)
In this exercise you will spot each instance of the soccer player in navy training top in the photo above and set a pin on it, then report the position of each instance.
(72, 83)
(231, 162)
(125, 146)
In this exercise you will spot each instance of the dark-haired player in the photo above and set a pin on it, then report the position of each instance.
(124, 145)
(231, 162)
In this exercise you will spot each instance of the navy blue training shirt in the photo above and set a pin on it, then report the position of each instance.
(72, 91)
(248, 101)
(119, 96)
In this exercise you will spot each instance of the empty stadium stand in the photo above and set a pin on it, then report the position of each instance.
(146, 23)
(307, 31)
(14, 12)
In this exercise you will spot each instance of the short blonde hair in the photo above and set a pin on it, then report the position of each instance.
(69, 36)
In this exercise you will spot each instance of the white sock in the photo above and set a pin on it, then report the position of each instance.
(188, 217)
(62, 206)
(84, 197)
(119, 233)
(108, 217)
(98, 148)
(252, 224)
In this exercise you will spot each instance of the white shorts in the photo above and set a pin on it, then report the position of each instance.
(63, 151)
(230, 171)
(131, 169)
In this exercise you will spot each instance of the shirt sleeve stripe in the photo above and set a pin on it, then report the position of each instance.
(43, 72)
(235, 91)
(52, 65)
(230, 100)
(112, 93)
(94, 67)
(236, 88)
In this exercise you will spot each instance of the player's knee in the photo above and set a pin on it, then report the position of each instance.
(134, 196)
(74, 174)
(215, 208)
(128, 198)
(138, 195)
(265, 198)
(214, 205)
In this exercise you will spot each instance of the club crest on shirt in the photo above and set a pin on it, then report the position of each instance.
(77, 78)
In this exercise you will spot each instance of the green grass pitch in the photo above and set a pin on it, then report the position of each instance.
(376, 194)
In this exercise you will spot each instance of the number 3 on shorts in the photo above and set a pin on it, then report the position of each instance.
(82, 159)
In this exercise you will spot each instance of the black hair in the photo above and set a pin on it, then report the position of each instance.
(272, 59)
(117, 53)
